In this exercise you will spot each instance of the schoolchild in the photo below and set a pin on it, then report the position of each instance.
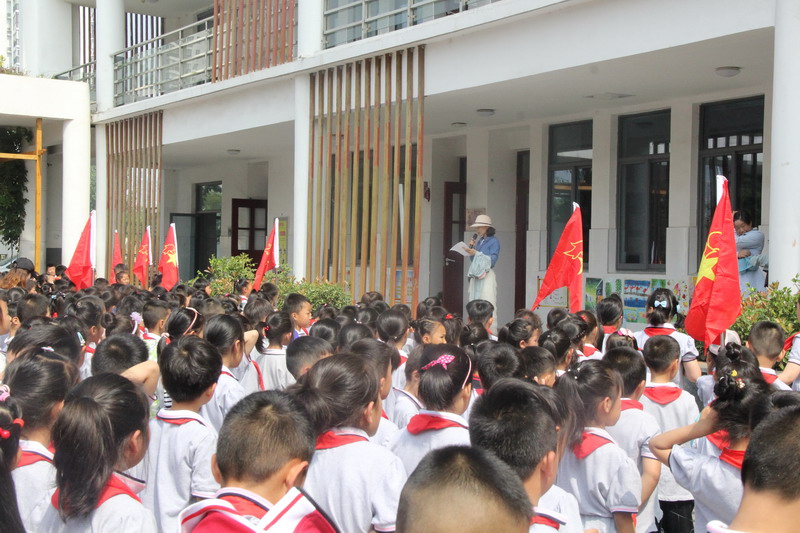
(393, 327)
(556, 315)
(263, 452)
(622, 338)
(154, 318)
(495, 360)
(558, 341)
(385, 358)
(462, 489)
(445, 386)
(303, 353)
(100, 433)
(299, 309)
(242, 287)
(716, 482)
(225, 333)
(481, 312)
(92, 313)
(672, 408)
(596, 470)
(351, 334)
(11, 425)
(662, 311)
(591, 340)
(635, 428)
(406, 400)
(278, 332)
(328, 330)
(117, 353)
(453, 327)
(356, 482)
(791, 373)
(766, 342)
(533, 318)
(177, 469)
(519, 333)
(537, 365)
(427, 331)
(610, 316)
(46, 336)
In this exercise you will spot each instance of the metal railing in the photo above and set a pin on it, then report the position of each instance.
(167, 63)
(350, 20)
(85, 73)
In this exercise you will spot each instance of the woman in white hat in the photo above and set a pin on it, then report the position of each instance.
(485, 250)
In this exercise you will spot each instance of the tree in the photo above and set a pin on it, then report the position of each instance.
(13, 185)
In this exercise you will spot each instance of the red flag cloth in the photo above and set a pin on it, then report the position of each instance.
(168, 265)
(116, 257)
(717, 301)
(144, 258)
(566, 266)
(270, 257)
(81, 267)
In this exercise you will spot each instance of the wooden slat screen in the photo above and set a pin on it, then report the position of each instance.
(251, 35)
(365, 174)
(133, 148)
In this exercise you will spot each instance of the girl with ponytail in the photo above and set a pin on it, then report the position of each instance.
(101, 432)
(278, 330)
(11, 425)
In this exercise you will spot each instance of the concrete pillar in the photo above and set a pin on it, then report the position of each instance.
(298, 226)
(46, 35)
(309, 27)
(684, 123)
(110, 39)
(602, 246)
(101, 199)
(75, 185)
(784, 221)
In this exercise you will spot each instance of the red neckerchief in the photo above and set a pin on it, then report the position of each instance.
(732, 457)
(652, 332)
(627, 403)
(662, 395)
(384, 415)
(114, 487)
(788, 344)
(589, 350)
(226, 373)
(608, 330)
(588, 444)
(421, 423)
(721, 439)
(545, 521)
(329, 440)
(30, 457)
(89, 349)
(479, 392)
(403, 359)
(260, 375)
(244, 505)
(769, 378)
(177, 421)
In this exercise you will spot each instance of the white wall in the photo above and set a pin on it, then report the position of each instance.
(46, 37)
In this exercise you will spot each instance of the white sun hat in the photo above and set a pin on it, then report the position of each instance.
(482, 221)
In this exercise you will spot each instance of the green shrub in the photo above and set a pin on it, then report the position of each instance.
(224, 271)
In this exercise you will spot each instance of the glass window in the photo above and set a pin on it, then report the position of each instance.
(570, 180)
(643, 199)
(731, 137)
(208, 197)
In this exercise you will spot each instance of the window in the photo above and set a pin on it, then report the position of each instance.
(643, 194)
(731, 144)
(209, 197)
(570, 180)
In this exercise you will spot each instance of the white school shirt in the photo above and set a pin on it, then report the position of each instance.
(231, 508)
(670, 414)
(34, 479)
(399, 375)
(273, 367)
(604, 482)
(546, 521)
(715, 526)
(387, 432)
(411, 448)
(227, 394)
(562, 502)
(715, 484)
(473, 397)
(406, 405)
(177, 467)
(120, 513)
(688, 349)
(794, 358)
(771, 377)
(633, 432)
(356, 483)
(705, 388)
(249, 374)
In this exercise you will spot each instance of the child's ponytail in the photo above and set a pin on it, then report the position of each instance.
(98, 416)
(516, 332)
(222, 331)
(181, 322)
(662, 307)
(392, 326)
(278, 324)
(742, 394)
(444, 371)
(583, 388)
(11, 425)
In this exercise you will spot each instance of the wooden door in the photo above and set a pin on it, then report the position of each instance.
(248, 227)
(454, 224)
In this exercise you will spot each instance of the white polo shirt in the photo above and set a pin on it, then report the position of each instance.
(562, 502)
(429, 430)
(387, 432)
(406, 405)
(688, 349)
(249, 374)
(227, 394)
(273, 366)
(34, 478)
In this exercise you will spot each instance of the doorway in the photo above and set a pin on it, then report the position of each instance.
(249, 227)
(197, 241)
(454, 224)
(521, 224)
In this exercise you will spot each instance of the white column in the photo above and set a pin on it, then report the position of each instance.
(684, 122)
(309, 27)
(784, 222)
(101, 198)
(110, 39)
(298, 227)
(46, 36)
(75, 184)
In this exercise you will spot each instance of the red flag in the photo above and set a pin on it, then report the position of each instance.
(716, 301)
(270, 258)
(144, 258)
(116, 257)
(566, 266)
(168, 265)
(81, 267)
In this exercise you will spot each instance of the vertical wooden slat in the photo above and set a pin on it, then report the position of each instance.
(394, 234)
(223, 53)
(320, 191)
(337, 178)
(110, 194)
(404, 258)
(290, 39)
(37, 254)
(346, 177)
(377, 150)
(385, 176)
(326, 184)
(311, 140)
(418, 172)
(367, 170)
(354, 211)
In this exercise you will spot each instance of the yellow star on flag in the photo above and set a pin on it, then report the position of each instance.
(710, 259)
(576, 252)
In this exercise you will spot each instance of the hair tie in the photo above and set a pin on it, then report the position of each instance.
(442, 360)
(4, 434)
(625, 332)
(448, 316)
(266, 329)
(5, 392)
(660, 303)
(80, 338)
(47, 348)
(136, 318)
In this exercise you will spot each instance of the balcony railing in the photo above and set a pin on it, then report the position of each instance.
(85, 73)
(351, 20)
(164, 64)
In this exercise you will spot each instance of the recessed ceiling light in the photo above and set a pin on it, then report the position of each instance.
(608, 96)
(458, 124)
(234, 151)
(486, 112)
(728, 72)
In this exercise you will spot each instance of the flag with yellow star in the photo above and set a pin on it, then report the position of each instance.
(566, 266)
(168, 265)
(716, 301)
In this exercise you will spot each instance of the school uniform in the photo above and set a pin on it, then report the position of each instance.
(177, 467)
(151, 340)
(705, 389)
(387, 432)
(86, 368)
(406, 406)
(429, 430)
(399, 374)
(771, 377)
(688, 349)
(118, 510)
(715, 482)
(356, 482)
(273, 368)
(34, 478)
(715, 526)
(249, 374)
(546, 521)
(227, 394)
(792, 345)
(562, 502)
(589, 352)
(473, 397)
(673, 408)
(602, 478)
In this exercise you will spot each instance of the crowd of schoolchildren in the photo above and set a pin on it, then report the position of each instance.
(125, 410)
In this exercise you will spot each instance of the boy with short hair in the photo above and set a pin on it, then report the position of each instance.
(382, 355)
(263, 452)
(32, 305)
(459, 489)
(537, 365)
(154, 316)
(482, 312)
(178, 461)
(299, 309)
(302, 353)
(635, 428)
(117, 353)
(766, 342)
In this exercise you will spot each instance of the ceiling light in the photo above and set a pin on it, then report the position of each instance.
(485, 112)
(609, 96)
(728, 72)
(234, 151)
(458, 124)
